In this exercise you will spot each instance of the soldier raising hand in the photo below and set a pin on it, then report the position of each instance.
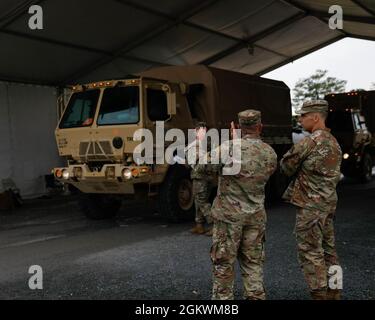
(238, 211)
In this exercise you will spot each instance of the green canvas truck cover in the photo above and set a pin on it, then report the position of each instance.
(225, 93)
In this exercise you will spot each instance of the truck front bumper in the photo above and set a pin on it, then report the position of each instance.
(111, 179)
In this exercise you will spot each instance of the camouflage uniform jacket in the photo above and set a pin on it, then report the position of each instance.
(199, 171)
(240, 196)
(315, 164)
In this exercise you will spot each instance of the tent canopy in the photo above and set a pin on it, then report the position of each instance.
(88, 40)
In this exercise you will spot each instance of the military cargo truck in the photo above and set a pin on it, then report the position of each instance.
(352, 121)
(95, 132)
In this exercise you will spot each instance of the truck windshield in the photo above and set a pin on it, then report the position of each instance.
(80, 110)
(120, 105)
(340, 121)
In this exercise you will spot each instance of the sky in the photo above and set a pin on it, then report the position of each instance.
(348, 59)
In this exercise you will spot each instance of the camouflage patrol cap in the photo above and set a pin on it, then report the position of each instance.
(249, 118)
(313, 106)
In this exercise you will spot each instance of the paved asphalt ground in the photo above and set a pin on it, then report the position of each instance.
(140, 256)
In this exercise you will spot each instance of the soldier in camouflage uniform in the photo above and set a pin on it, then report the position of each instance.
(239, 214)
(314, 163)
(202, 179)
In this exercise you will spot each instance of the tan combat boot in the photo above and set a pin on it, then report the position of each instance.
(319, 294)
(333, 294)
(198, 229)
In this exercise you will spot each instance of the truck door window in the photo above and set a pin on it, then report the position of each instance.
(357, 122)
(120, 105)
(80, 110)
(157, 107)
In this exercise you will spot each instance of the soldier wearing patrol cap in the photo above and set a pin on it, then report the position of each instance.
(202, 179)
(314, 163)
(239, 214)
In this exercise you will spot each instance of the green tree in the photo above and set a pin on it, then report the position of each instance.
(316, 87)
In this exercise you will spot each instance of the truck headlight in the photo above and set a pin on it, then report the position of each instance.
(58, 173)
(346, 156)
(65, 174)
(135, 172)
(127, 174)
(144, 170)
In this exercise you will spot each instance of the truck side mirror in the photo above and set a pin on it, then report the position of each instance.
(63, 95)
(60, 106)
(172, 104)
(171, 100)
(184, 88)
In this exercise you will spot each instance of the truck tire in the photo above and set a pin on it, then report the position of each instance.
(366, 168)
(176, 201)
(99, 206)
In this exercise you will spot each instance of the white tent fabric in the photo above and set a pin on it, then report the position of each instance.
(89, 40)
(27, 145)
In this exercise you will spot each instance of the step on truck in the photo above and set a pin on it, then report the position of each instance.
(351, 119)
(95, 132)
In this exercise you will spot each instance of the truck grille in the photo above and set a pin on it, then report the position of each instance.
(95, 150)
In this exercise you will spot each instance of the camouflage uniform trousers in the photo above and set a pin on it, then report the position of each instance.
(201, 192)
(316, 245)
(242, 242)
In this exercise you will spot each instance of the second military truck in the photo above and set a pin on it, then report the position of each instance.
(95, 132)
(352, 121)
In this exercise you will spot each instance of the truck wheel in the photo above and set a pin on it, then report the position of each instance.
(366, 168)
(99, 206)
(176, 201)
